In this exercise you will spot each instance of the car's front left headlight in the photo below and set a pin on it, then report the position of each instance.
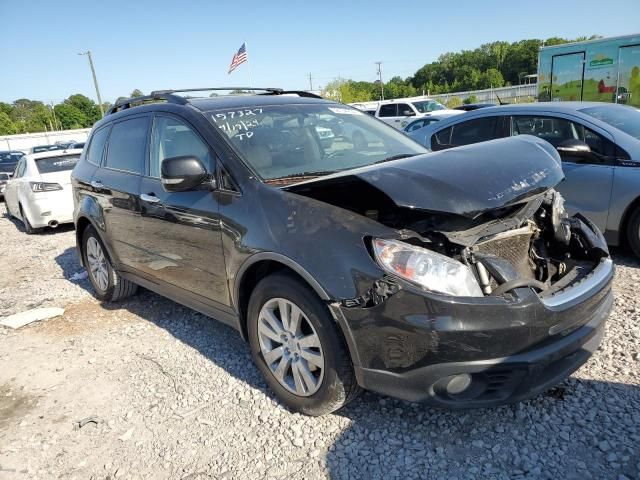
(428, 269)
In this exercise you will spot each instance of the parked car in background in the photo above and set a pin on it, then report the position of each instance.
(455, 277)
(4, 177)
(42, 148)
(9, 160)
(398, 113)
(76, 146)
(424, 121)
(39, 194)
(468, 107)
(599, 145)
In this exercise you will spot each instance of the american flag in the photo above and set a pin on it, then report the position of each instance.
(238, 58)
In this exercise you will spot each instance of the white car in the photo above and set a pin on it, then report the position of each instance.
(398, 113)
(39, 194)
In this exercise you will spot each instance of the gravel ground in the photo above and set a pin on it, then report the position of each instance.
(168, 393)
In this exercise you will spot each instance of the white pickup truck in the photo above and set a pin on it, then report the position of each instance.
(398, 113)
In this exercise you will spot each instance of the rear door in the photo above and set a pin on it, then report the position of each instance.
(180, 231)
(388, 113)
(116, 185)
(588, 182)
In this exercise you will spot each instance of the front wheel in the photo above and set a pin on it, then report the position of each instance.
(633, 232)
(298, 347)
(107, 283)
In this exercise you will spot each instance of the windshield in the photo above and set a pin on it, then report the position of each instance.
(428, 106)
(623, 118)
(57, 164)
(289, 143)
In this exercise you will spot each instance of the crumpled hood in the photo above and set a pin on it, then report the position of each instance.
(465, 181)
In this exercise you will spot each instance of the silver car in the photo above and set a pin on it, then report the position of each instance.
(599, 145)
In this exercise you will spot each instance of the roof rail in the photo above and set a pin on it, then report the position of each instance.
(160, 95)
(300, 93)
(274, 91)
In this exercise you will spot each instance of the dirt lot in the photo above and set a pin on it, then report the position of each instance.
(164, 392)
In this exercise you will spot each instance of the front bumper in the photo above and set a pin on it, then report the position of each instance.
(412, 345)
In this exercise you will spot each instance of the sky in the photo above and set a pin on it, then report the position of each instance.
(162, 44)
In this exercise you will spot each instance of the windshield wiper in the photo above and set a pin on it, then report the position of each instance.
(397, 157)
(299, 176)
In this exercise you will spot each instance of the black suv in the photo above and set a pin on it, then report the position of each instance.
(453, 277)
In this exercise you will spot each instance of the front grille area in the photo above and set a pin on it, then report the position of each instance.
(511, 246)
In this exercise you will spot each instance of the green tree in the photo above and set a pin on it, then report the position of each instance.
(492, 78)
(69, 116)
(88, 107)
(7, 127)
(31, 116)
(136, 93)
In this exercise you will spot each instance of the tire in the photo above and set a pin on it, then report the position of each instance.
(335, 384)
(107, 284)
(27, 226)
(633, 232)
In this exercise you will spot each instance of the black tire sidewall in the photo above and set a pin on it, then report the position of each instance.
(100, 294)
(331, 394)
(633, 232)
(25, 221)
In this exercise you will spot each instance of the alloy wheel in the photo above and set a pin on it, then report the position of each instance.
(97, 264)
(290, 347)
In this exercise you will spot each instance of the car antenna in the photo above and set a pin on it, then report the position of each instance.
(500, 102)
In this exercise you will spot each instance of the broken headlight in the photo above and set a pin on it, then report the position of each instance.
(428, 269)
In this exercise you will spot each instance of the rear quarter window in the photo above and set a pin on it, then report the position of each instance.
(96, 145)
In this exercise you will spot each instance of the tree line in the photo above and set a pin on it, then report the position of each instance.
(31, 116)
(492, 65)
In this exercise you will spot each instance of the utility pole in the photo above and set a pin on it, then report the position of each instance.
(310, 82)
(95, 80)
(379, 64)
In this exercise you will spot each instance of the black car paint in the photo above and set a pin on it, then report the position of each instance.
(433, 182)
(202, 247)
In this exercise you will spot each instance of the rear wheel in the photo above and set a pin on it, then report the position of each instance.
(298, 348)
(106, 282)
(633, 232)
(27, 226)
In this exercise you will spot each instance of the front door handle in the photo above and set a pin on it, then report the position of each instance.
(150, 198)
(96, 184)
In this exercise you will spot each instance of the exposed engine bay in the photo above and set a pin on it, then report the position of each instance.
(533, 243)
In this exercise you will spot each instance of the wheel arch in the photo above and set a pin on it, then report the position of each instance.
(624, 223)
(259, 266)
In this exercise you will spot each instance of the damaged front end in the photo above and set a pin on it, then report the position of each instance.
(538, 245)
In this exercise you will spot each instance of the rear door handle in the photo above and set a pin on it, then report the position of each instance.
(96, 184)
(150, 198)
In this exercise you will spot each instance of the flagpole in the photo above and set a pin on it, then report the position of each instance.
(248, 66)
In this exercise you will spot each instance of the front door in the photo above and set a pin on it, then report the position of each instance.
(588, 182)
(181, 230)
(567, 73)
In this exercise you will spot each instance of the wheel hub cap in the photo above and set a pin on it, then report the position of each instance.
(290, 347)
(97, 264)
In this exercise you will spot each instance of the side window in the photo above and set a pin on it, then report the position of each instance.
(96, 147)
(557, 130)
(442, 139)
(404, 110)
(127, 144)
(388, 110)
(173, 138)
(416, 125)
(474, 131)
(19, 171)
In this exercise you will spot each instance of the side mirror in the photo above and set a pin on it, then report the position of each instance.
(408, 113)
(574, 148)
(182, 173)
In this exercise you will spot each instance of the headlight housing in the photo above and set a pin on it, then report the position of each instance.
(428, 269)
